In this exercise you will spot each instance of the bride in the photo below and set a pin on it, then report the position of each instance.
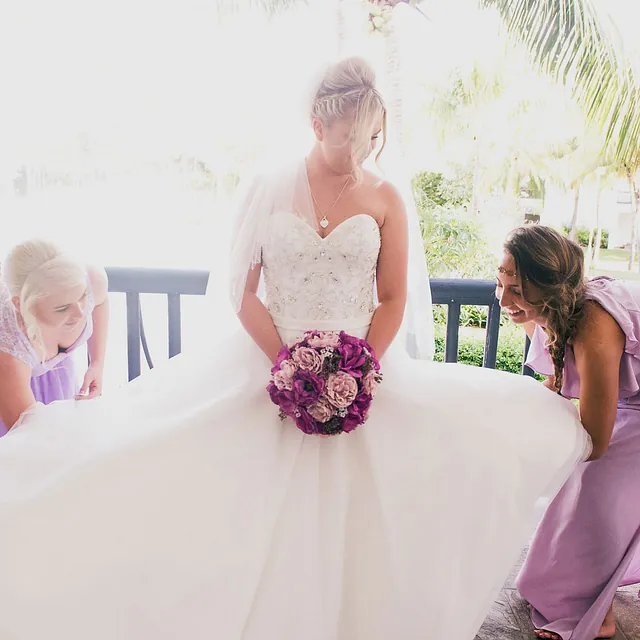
(182, 506)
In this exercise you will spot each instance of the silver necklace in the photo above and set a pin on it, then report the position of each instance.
(324, 222)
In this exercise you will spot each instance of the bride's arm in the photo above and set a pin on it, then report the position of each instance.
(391, 273)
(256, 319)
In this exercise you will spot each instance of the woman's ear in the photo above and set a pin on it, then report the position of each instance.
(318, 129)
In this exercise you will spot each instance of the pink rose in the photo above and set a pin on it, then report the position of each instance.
(341, 389)
(324, 339)
(308, 359)
(283, 378)
(321, 411)
(288, 368)
(370, 383)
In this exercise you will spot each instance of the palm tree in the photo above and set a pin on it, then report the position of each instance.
(571, 164)
(605, 177)
(577, 43)
(461, 109)
(630, 171)
(573, 41)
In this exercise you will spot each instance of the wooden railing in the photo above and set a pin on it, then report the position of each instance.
(175, 283)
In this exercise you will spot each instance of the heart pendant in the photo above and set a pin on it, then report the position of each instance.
(324, 223)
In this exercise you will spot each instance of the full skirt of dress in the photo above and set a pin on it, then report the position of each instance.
(181, 506)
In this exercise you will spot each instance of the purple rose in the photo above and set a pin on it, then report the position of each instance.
(308, 359)
(321, 339)
(305, 422)
(361, 405)
(283, 354)
(307, 388)
(370, 354)
(357, 413)
(350, 423)
(341, 390)
(322, 411)
(282, 398)
(352, 358)
(345, 338)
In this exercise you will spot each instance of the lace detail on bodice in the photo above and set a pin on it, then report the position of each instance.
(12, 340)
(312, 278)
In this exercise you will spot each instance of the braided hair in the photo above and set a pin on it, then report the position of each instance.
(555, 266)
(348, 89)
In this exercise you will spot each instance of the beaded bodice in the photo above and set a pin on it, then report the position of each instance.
(312, 278)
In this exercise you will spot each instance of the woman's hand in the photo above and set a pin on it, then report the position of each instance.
(91, 385)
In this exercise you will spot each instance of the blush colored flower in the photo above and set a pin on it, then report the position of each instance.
(341, 389)
(283, 378)
(322, 339)
(308, 359)
(370, 383)
(322, 411)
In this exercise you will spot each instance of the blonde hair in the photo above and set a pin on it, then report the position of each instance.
(34, 270)
(348, 89)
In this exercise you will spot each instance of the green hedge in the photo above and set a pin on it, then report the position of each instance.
(582, 237)
(471, 315)
(471, 350)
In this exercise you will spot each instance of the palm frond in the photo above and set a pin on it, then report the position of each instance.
(579, 46)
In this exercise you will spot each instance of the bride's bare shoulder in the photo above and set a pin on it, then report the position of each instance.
(385, 193)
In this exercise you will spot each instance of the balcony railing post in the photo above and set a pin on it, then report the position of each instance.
(493, 333)
(527, 371)
(175, 324)
(456, 293)
(453, 332)
(133, 334)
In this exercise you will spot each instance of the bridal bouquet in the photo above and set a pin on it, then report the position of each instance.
(325, 382)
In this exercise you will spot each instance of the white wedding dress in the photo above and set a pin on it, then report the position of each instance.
(181, 507)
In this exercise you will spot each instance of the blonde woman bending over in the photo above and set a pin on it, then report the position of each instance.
(49, 306)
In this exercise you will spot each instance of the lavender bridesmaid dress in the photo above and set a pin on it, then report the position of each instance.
(588, 543)
(52, 380)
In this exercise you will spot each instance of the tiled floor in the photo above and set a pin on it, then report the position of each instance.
(509, 618)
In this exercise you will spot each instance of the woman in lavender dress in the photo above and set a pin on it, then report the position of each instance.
(585, 339)
(49, 306)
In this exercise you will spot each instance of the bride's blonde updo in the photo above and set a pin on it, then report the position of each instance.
(348, 89)
(34, 270)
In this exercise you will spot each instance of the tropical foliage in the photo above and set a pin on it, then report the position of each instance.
(575, 42)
